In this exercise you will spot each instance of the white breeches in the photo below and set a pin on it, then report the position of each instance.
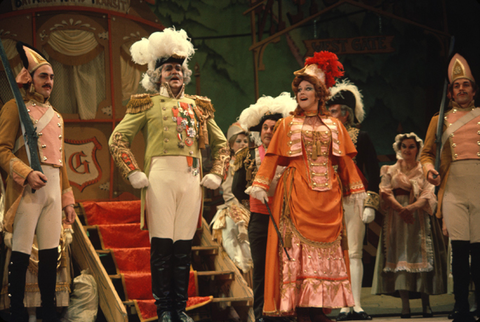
(355, 231)
(461, 205)
(355, 235)
(39, 213)
(173, 199)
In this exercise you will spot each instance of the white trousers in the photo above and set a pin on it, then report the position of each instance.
(39, 213)
(461, 202)
(355, 235)
(173, 199)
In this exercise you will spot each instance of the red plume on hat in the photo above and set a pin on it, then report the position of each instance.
(325, 66)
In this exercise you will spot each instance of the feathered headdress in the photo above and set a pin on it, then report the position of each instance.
(324, 65)
(346, 93)
(266, 108)
(169, 45)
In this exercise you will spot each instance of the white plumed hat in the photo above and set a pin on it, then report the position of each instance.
(169, 45)
(347, 93)
(267, 108)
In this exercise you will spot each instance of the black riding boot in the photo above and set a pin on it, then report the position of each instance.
(181, 274)
(461, 279)
(16, 286)
(475, 270)
(47, 281)
(162, 276)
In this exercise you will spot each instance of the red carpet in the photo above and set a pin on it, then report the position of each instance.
(119, 225)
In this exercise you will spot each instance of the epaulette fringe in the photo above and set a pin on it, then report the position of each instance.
(240, 157)
(204, 103)
(139, 103)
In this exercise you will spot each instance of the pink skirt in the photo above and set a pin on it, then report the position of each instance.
(316, 275)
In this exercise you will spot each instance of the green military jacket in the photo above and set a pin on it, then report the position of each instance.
(171, 127)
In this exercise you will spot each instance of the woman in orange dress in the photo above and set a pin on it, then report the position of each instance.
(309, 212)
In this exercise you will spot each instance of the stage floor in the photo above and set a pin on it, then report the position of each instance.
(388, 308)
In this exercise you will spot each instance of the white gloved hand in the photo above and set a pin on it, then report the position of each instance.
(258, 193)
(7, 239)
(138, 179)
(68, 235)
(368, 215)
(211, 181)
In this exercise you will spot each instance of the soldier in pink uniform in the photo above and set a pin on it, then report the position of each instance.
(458, 179)
(34, 201)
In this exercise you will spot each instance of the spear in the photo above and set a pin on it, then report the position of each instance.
(441, 114)
(29, 131)
(276, 228)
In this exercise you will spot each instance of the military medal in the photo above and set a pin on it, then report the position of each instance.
(184, 116)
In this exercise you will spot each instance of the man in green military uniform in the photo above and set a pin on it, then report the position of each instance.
(175, 127)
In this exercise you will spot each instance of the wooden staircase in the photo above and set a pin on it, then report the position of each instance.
(217, 276)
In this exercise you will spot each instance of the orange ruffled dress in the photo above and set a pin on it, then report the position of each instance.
(308, 211)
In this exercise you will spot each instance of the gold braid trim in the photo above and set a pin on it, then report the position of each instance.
(372, 200)
(220, 161)
(122, 155)
(139, 103)
(204, 104)
(240, 157)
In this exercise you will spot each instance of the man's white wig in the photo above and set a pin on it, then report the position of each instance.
(161, 47)
(266, 108)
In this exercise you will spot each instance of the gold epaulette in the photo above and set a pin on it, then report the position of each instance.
(139, 103)
(277, 124)
(204, 104)
(240, 156)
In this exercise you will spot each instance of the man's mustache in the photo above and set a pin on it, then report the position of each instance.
(168, 78)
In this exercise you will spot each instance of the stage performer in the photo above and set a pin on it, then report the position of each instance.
(34, 200)
(411, 257)
(259, 117)
(458, 178)
(308, 201)
(230, 224)
(175, 127)
(347, 106)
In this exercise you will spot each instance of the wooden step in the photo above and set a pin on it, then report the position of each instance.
(217, 275)
(107, 257)
(205, 250)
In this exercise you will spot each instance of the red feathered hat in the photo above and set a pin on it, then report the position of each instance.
(324, 65)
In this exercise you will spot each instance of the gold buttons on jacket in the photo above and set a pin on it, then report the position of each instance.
(166, 140)
(59, 125)
(165, 128)
(190, 152)
(44, 146)
(44, 158)
(40, 134)
(60, 136)
(478, 142)
(454, 145)
(165, 118)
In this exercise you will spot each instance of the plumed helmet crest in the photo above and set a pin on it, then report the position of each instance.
(347, 93)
